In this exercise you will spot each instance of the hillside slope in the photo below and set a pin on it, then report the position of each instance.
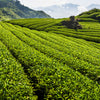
(94, 13)
(12, 9)
(48, 61)
(90, 31)
(60, 63)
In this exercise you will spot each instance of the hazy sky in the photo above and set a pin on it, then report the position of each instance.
(41, 3)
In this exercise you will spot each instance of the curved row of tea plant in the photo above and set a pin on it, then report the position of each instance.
(52, 79)
(13, 81)
(91, 44)
(90, 69)
(65, 44)
(90, 31)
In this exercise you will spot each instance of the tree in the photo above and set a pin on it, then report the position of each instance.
(72, 23)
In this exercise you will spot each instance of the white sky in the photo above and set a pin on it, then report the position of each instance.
(43, 3)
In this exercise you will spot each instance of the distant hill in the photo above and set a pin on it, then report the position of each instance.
(13, 9)
(92, 6)
(63, 11)
(94, 13)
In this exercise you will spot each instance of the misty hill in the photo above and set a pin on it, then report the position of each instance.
(93, 6)
(63, 11)
(94, 13)
(13, 9)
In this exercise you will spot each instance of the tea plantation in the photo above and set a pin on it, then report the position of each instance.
(42, 60)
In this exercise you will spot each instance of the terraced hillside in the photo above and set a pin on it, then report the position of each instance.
(90, 31)
(50, 61)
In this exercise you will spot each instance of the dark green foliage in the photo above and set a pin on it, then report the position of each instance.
(72, 23)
